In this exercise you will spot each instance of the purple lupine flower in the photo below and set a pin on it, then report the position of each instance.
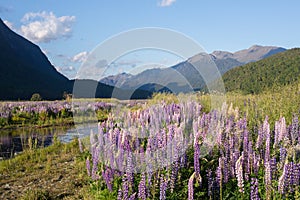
(162, 187)
(108, 177)
(225, 170)
(95, 157)
(245, 150)
(282, 129)
(210, 182)
(273, 165)
(266, 130)
(196, 157)
(142, 187)
(132, 197)
(268, 175)
(289, 177)
(219, 175)
(191, 187)
(282, 179)
(174, 173)
(125, 187)
(88, 166)
(296, 174)
(119, 196)
(239, 173)
(282, 155)
(249, 162)
(129, 169)
(254, 189)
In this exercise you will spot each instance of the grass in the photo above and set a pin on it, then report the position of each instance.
(274, 103)
(55, 172)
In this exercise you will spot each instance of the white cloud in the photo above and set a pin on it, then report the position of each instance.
(45, 27)
(65, 69)
(9, 24)
(80, 57)
(165, 3)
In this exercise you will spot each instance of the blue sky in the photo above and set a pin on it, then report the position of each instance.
(215, 24)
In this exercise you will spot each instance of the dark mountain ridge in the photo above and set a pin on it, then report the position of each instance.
(25, 70)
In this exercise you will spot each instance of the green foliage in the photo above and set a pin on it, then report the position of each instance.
(253, 78)
(36, 97)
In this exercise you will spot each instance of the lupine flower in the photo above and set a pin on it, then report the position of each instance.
(225, 170)
(219, 172)
(132, 197)
(142, 187)
(163, 187)
(108, 177)
(239, 173)
(268, 175)
(196, 158)
(273, 165)
(282, 180)
(282, 155)
(119, 196)
(266, 131)
(174, 173)
(210, 182)
(191, 187)
(254, 189)
(296, 174)
(95, 157)
(282, 129)
(125, 187)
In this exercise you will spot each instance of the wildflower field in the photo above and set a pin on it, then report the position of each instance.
(192, 154)
(164, 148)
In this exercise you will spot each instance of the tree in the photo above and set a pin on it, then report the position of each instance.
(36, 97)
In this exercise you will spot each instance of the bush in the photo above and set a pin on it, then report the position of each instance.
(36, 97)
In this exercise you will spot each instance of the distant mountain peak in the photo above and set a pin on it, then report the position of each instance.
(256, 52)
(224, 61)
(222, 54)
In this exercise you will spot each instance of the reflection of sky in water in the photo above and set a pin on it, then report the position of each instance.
(81, 131)
(14, 141)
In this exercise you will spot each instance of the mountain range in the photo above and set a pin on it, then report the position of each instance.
(184, 76)
(25, 70)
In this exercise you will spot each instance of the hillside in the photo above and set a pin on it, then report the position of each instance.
(25, 70)
(253, 78)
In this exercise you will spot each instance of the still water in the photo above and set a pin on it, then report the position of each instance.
(15, 141)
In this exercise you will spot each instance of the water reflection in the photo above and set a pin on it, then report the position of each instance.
(14, 141)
